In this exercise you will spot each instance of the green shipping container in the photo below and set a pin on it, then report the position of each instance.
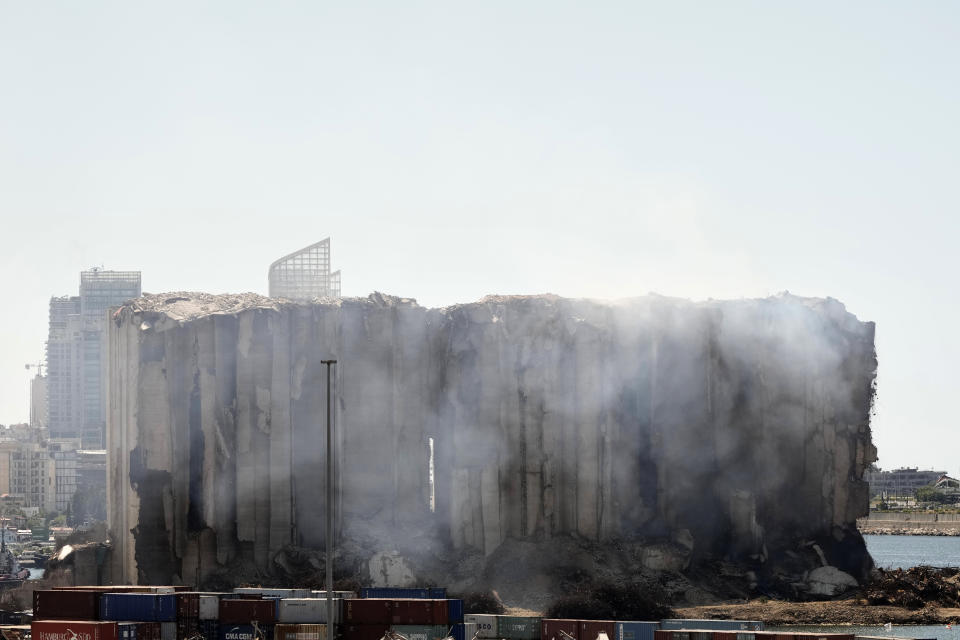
(421, 631)
(519, 627)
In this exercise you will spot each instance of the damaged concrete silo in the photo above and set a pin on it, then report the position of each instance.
(742, 424)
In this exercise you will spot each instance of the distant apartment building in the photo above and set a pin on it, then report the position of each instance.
(75, 379)
(26, 468)
(900, 482)
(305, 274)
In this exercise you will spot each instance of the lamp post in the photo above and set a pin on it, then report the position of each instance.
(329, 507)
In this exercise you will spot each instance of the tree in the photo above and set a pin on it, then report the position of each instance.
(931, 494)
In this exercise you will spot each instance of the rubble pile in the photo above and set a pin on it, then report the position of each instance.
(915, 588)
(660, 435)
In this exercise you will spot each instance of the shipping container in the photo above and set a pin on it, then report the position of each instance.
(418, 612)
(487, 625)
(726, 635)
(208, 607)
(126, 631)
(560, 629)
(343, 595)
(714, 625)
(66, 605)
(148, 631)
(635, 630)
(168, 631)
(364, 631)
(367, 612)
(404, 593)
(300, 632)
(274, 593)
(240, 612)
(73, 630)
(245, 632)
(188, 605)
(454, 611)
(660, 634)
(421, 631)
(307, 610)
(119, 588)
(592, 629)
(519, 627)
(145, 607)
(209, 629)
(464, 631)
(187, 628)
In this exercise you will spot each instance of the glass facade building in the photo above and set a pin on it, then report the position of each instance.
(305, 274)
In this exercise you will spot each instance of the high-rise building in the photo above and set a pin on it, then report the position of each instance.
(63, 367)
(38, 402)
(305, 274)
(75, 397)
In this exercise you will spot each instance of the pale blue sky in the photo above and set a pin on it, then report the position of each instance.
(456, 149)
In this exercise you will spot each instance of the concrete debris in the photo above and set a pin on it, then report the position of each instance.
(830, 581)
(737, 429)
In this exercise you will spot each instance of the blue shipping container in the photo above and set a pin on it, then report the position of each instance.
(713, 625)
(438, 593)
(144, 607)
(245, 632)
(455, 612)
(635, 630)
(395, 593)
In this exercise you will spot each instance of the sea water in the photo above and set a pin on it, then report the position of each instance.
(938, 631)
(903, 552)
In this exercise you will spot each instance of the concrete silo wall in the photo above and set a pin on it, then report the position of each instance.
(744, 424)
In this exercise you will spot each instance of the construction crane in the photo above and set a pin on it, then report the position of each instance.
(39, 368)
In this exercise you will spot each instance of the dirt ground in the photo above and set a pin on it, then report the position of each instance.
(834, 612)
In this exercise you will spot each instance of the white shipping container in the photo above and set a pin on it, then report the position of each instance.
(307, 610)
(344, 595)
(168, 631)
(487, 626)
(470, 630)
(274, 593)
(209, 607)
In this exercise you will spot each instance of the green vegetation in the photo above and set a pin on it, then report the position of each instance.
(930, 494)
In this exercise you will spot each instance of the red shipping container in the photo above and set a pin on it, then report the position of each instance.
(122, 588)
(722, 635)
(66, 605)
(662, 635)
(188, 605)
(368, 611)
(364, 631)
(558, 629)
(783, 636)
(73, 630)
(415, 611)
(148, 631)
(246, 611)
(591, 629)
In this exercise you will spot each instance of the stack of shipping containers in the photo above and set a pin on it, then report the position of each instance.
(253, 613)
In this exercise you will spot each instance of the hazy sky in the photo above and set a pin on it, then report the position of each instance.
(455, 149)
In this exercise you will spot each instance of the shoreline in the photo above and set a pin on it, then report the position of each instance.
(893, 530)
(851, 612)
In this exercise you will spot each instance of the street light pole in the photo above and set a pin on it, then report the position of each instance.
(329, 508)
